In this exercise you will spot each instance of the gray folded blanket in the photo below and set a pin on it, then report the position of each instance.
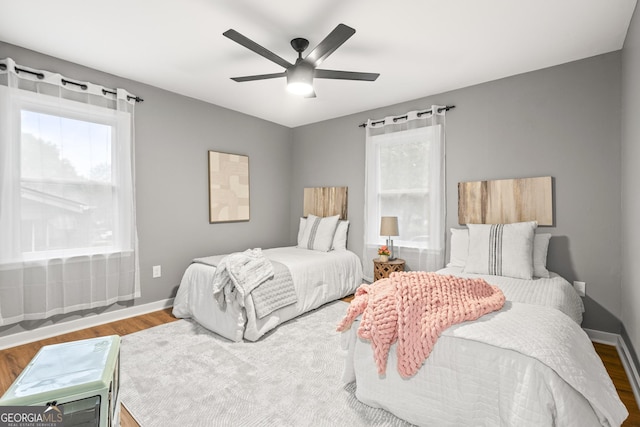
(250, 273)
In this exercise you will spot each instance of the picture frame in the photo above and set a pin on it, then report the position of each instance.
(228, 187)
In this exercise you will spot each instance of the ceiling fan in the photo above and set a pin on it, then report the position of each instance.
(301, 74)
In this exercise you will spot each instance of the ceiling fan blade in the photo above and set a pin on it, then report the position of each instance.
(345, 75)
(259, 77)
(251, 45)
(326, 47)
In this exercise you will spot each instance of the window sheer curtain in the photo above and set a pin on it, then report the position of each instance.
(405, 177)
(68, 237)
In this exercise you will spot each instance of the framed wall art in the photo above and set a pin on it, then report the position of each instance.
(228, 187)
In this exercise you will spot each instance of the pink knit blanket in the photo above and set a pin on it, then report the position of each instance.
(413, 308)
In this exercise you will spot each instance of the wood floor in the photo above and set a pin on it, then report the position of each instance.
(13, 360)
(611, 360)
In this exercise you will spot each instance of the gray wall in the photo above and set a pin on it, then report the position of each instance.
(631, 181)
(173, 135)
(562, 121)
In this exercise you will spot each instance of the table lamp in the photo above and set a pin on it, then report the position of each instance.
(389, 227)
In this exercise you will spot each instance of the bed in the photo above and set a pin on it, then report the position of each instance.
(527, 364)
(318, 277)
(318, 270)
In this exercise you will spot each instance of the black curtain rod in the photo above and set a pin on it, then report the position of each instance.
(129, 97)
(395, 119)
(82, 86)
(40, 76)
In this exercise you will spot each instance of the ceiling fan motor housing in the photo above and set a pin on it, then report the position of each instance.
(299, 45)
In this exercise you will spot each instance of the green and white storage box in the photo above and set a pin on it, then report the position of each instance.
(82, 377)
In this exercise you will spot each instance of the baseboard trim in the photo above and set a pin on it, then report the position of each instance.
(630, 368)
(602, 337)
(625, 356)
(89, 321)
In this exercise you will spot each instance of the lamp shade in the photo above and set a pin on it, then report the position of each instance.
(389, 226)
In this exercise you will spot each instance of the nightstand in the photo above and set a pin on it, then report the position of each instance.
(382, 269)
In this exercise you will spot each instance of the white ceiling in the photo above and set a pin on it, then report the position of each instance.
(419, 47)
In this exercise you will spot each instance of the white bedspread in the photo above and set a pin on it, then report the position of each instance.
(529, 364)
(497, 371)
(318, 277)
(559, 344)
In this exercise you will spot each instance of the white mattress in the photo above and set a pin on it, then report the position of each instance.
(318, 277)
(478, 373)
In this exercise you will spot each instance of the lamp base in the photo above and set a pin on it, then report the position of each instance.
(392, 254)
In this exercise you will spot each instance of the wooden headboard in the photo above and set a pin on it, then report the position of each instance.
(506, 201)
(325, 201)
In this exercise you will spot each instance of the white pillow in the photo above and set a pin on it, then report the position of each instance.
(318, 233)
(340, 238)
(460, 251)
(501, 249)
(303, 224)
(540, 248)
(459, 247)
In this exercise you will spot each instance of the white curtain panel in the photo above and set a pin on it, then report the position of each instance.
(67, 215)
(405, 177)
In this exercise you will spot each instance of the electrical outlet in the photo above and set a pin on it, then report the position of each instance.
(157, 271)
(580, 287)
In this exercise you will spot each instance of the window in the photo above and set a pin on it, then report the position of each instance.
(405, 179)
(68, 197)
(401, 184)
(67, 212)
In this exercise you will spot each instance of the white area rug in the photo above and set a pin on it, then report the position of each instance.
(180, 374)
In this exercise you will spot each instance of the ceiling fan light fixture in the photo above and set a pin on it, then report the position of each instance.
(299, 88)
(300, 79)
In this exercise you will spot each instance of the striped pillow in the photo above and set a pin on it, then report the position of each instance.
(318, 233)
(501, 249)
(460, 250)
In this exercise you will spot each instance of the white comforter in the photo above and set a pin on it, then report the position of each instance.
(554, 292)
(318, 277)
(525, 365)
